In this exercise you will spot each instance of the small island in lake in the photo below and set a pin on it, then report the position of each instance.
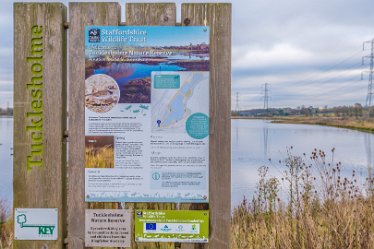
(356, 117)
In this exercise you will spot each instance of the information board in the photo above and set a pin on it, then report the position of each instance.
(35, 223)
(146, 114)
(108, 228)
(187, 226)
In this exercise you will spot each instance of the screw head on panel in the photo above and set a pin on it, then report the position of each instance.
(187, 21)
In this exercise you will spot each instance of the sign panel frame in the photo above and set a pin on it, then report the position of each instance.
(147, 114)
(184, 226)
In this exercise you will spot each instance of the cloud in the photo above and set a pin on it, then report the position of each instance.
(6, 98)
(298, 46)
(309, 51)
(279, 54)
(6, 52)
(334, 87)
(6, 70)
(6, 93)
(6, 85)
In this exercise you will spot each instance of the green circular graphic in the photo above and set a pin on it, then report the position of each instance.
(197, 125)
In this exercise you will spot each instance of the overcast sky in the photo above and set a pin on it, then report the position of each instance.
(309, 51)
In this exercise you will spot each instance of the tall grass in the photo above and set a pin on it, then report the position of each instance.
(99, 157)
(321, 209)
(6, 227)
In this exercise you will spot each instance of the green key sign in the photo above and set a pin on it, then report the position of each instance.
(172, 226)
(35, 223)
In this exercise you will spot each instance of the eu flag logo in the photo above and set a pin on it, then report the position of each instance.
(150, 226)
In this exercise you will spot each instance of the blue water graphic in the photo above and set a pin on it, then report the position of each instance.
(136, 70)
(176, 110)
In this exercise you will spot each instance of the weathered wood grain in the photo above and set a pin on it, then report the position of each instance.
(81, 14)
(41, 186)
(218, 17)
(151, 14)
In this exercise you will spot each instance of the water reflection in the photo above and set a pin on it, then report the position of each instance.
(265, 131)
(369, 156)
(255, 141)
(6, 151)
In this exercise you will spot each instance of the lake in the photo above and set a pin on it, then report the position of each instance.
(6, 145)
(254, 142)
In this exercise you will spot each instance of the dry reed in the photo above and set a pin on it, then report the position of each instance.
(99, 157)
(6, 227)
(324, 208)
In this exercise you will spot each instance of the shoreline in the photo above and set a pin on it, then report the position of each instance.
(363, 125)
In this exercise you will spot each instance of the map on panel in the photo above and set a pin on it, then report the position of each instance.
(173, 106)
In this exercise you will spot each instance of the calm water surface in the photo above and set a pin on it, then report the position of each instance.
(6, 160)
(253, 143)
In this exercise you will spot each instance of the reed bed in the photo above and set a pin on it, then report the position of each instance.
(354, 123)
(322, 208)
(6, 227)
(99, 157)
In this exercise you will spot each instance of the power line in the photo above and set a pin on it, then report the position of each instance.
(321, 77)
(370, 71)
(331, 78)
(314, 77)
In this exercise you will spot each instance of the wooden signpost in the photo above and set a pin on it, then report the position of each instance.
(42, 177)
(39, 112)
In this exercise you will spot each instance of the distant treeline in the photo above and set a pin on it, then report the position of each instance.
(6, 111)
(356, 110)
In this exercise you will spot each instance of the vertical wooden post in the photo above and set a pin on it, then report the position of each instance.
(39, 119)
(151, 14)
(218, 17)
(81, 14)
